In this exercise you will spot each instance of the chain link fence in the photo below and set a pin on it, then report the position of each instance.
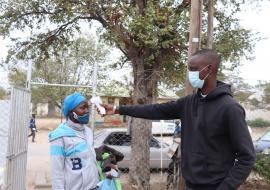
(14, 118)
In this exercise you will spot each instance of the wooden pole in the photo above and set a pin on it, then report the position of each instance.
(195, 26)
(210, 29)
(194, 33)
(194, 45)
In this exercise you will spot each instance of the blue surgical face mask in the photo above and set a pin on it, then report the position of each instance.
(194, 78)
(82, 119)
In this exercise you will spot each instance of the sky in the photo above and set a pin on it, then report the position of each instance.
(258, 21)
(253, 71)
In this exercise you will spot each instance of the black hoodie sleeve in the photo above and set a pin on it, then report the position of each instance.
(243, 148)
(164, 111)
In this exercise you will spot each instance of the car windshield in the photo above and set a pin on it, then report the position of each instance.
(266, 137)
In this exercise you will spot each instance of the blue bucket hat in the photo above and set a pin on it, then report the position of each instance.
(71, 102)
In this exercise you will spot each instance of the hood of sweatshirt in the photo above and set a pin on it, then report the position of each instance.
(62, 131)
(221, 89)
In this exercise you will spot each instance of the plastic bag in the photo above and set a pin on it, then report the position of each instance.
(107, 184)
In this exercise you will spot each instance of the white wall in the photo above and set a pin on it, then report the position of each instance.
(259, 113)
(42, 109)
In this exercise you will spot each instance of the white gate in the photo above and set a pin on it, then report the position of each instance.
(14, 136)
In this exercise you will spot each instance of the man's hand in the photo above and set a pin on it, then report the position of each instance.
(110, 109)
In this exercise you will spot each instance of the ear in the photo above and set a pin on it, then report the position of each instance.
(210, 68)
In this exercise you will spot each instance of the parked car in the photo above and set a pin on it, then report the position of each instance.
(262, 143)
(118, 139)
(165, 127)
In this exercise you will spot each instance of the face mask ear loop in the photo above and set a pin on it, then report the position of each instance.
(75, 115)
(206, 76)
(207, 73)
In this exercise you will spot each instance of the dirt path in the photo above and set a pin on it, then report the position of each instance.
(38, 157)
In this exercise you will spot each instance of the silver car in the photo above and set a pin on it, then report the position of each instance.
(262, 143)
(118, 139)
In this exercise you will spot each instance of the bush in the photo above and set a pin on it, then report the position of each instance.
(262, 165)
(259, 122)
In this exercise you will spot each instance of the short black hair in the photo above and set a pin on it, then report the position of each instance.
(210, 54)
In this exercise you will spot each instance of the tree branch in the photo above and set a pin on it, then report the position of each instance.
(43, 12)
(141, 5)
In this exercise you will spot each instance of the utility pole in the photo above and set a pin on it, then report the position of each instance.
(194, 45)
(94, 93)
(29, 75)
(194, 33)
(195, 26)
(210, 29)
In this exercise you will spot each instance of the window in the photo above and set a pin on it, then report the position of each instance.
(122, 139)
(266, 137)
(118, 139)
(110, 100)
(154, 143)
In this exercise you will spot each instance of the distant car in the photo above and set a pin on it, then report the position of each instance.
(165, 127)
(262, 143)
(118, 139)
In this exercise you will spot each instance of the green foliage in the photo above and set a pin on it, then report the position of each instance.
(156, 31)
(266, 93)
(264, 102)
(74, 65)
(17, 77)
(240, 89)
(255, 103)
(2, 92)
(258, 122)
(231, 40)
(262, 165)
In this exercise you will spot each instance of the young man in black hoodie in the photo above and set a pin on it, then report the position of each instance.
(217, 150)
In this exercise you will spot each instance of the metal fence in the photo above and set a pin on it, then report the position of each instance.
(164, 159)
(4, 128)
(14, 131)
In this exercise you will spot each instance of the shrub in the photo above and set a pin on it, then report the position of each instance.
(259, 122)
(262, 165)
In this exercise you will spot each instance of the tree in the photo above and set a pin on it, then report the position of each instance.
(241, 90)
(70, 65)
(152, 35)
(2, 92)
(266, 95)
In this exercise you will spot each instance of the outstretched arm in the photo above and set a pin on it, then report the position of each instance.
(169, 110)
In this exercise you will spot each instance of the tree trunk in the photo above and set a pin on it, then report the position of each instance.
(51, 109)
(145, 88)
